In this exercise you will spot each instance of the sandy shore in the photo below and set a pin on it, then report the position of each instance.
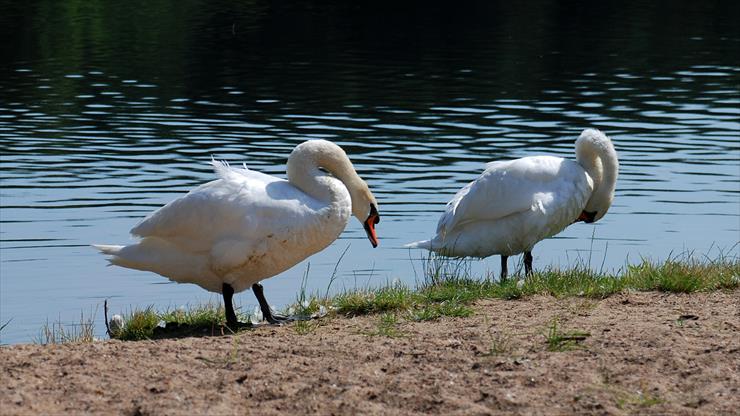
(646, 353)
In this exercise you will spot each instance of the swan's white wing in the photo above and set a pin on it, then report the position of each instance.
(243, 203)
(510, 187)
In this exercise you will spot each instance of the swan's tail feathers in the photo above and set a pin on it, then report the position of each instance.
(165, 258)
(434, 245)
(110, 250)
(425, 244)
(143, 255)
(134, 256)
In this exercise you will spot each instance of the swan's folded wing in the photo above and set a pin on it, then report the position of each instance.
(243, 202)
(503, 189)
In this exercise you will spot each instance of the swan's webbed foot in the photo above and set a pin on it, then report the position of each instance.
(267, 314)
(277, 319)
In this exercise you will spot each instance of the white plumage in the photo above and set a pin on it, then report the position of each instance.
(247, 226)
(514, 204)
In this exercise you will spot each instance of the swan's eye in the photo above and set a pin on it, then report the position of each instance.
(323, 170)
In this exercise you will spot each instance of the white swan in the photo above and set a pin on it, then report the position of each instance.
(515, 204)
(229, 234)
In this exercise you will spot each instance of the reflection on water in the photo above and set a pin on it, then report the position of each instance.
(106, 114)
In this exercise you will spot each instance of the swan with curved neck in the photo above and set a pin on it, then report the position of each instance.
(229, 234)
(515, 204)
(596, 154)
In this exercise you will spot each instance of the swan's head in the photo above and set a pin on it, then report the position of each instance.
(365, 209)
(588, 216)
(596, 207)
(596, 154)
(315, 158)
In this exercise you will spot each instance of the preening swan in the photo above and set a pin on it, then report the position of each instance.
(229, 234)
(515, 204)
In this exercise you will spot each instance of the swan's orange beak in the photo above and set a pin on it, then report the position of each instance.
(369, 225)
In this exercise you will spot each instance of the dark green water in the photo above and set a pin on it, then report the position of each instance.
(110, 109)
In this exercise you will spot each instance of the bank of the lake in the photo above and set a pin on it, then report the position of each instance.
(632, 352)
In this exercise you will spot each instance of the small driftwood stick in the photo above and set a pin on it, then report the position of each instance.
(105, 314)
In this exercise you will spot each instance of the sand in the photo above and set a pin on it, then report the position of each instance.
(645, 353)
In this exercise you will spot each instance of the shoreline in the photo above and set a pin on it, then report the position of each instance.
(645, 352)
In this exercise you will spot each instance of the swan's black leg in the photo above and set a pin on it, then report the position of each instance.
(504, 267)
(528, 263)
(228, 293)
(270, 317)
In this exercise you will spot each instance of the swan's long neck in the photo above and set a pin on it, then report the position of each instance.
(322, 169)
(596, 154)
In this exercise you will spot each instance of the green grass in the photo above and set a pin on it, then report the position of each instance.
(61, 333)
(558, 340)
(638, 400)
(631, 398)
(143, 323)
(500, 343)
(139, 324)
(430, 312)
(447, 290)
(683, 276)
(449, 293)
(200, 315)
(304, 327)
(392, 297)
(387, 326)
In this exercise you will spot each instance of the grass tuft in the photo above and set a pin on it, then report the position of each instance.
(433, 311)
(639, 399)
(143, 323)
(456, 290)
(511, 289)
(61, 333)
(139, 324)
(387, 326)
(499, 344)
(304, 327)
(205, 315)
(563, 341)
(393, 297)
(684, 275)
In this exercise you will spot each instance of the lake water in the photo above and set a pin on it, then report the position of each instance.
(108, 111)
